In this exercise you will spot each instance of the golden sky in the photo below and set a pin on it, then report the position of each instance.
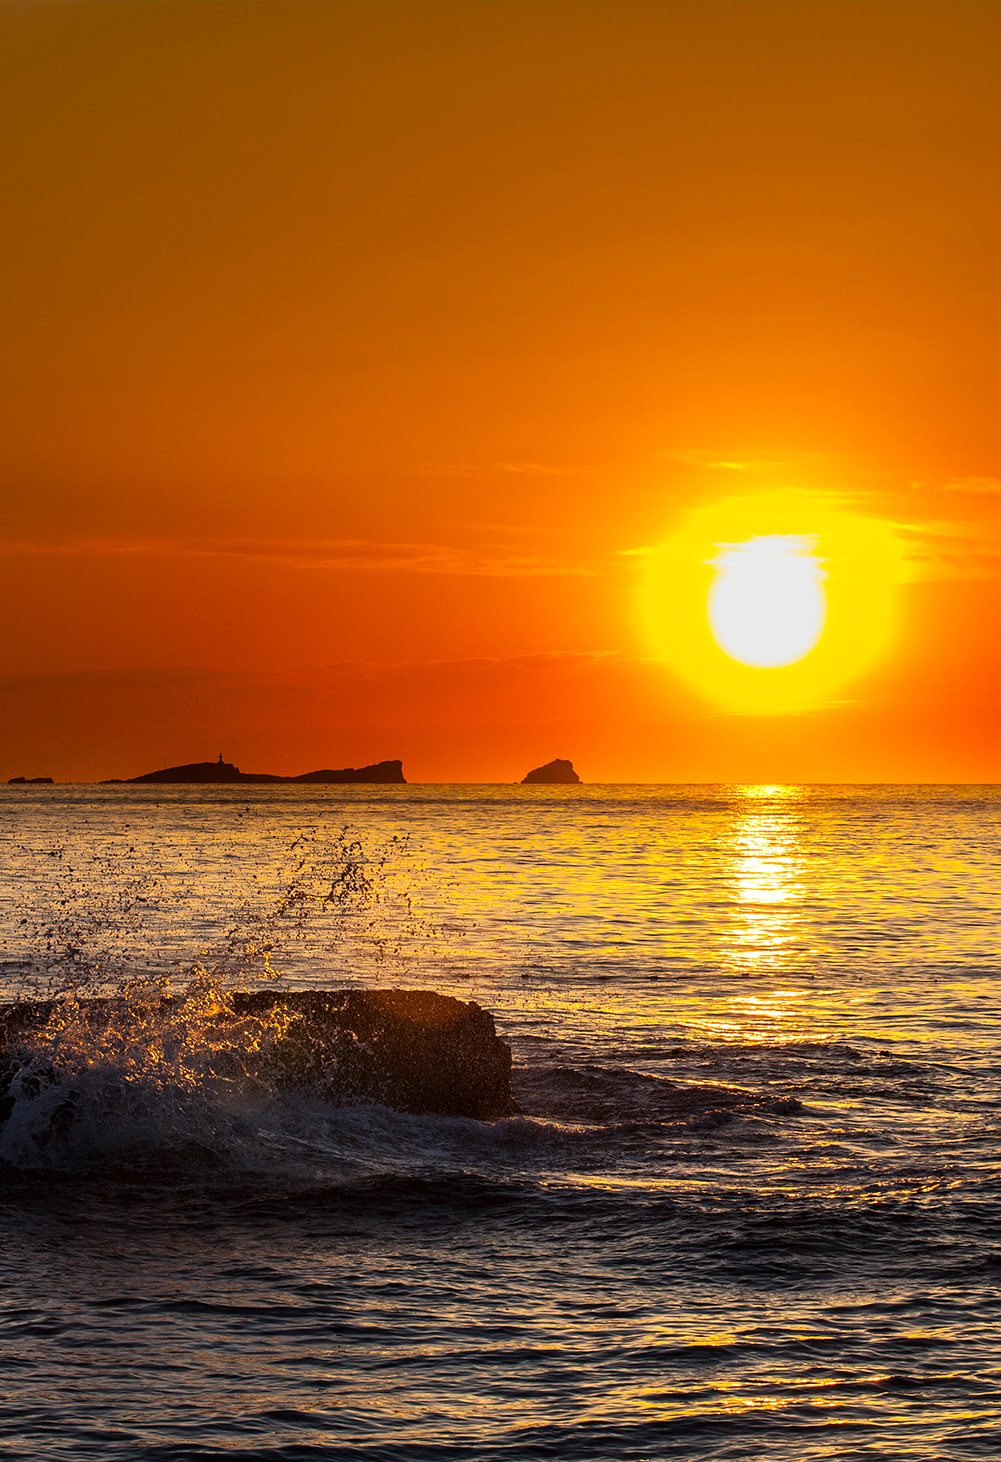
(360, 358)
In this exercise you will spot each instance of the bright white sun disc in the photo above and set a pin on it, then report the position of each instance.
(767, 603)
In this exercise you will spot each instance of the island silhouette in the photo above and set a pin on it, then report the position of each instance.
(557, 771)
(224, 771)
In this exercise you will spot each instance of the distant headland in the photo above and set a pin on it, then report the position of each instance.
(553, 772)
(225, 772)
(221, 773)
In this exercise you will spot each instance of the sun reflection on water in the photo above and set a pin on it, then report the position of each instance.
(764, 867)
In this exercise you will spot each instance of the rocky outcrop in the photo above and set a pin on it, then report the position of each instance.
(380, 771)
(414, 1050)
(557, 772)
(202, 771)
(29, 781)
(221, 772)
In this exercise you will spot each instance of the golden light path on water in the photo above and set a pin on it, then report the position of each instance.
(764, 866)
(755, 1171)
(598, 919)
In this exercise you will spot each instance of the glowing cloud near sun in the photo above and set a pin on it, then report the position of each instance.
(766, 603)
(770, 603)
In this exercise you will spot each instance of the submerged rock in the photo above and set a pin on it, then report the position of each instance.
(554, 771)
(414, 1050)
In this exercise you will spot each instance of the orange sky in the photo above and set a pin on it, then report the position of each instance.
(352, 350)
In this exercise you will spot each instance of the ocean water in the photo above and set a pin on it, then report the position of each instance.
(751, 1207)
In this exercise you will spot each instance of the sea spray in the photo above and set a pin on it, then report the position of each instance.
(92, 922)
(142, 1068)
(357, 1281)
(142, 1048)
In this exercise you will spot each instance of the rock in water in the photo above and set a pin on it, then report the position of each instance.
(414, 1050)
(553, 771)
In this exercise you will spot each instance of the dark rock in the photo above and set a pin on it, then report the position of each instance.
(29, 781)
(380, 771)
(414, 1050)
(553, 771)
(195, 771)
(411, 1049)
(220, 771)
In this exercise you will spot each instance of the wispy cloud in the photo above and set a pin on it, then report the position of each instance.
(952, 550)
(358, 555)
(979, 486)
(947, 547)
(173, 677)
(26, 548)
(719, 461)
(479, 469)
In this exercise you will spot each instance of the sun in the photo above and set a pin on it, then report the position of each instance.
(771, 603)
(767, 604)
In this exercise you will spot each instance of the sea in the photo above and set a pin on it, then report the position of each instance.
(750, 1207)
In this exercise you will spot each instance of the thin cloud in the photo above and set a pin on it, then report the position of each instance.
(356, 555)
(715, 461)
(952, 550)
(172, 677)
(467, 525)
(981, 486)
(102, 547)
(518, 469)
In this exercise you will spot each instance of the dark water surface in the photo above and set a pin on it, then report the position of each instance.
(751, 1208)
